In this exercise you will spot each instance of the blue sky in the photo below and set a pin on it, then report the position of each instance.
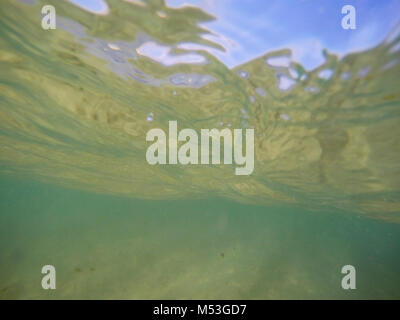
(250, 28)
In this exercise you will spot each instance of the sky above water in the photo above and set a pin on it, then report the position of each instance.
(249, 28)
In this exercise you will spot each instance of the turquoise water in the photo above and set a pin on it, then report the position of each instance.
(77, 193)
(120, 248)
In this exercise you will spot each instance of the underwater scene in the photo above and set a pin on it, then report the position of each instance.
(84, 82)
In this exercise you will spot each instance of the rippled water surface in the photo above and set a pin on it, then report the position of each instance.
(76, 190)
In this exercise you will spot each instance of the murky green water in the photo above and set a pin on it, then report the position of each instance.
(77, 193)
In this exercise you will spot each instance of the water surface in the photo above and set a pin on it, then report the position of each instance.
(76, 190)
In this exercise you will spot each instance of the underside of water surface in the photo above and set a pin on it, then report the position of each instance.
(77, 192)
